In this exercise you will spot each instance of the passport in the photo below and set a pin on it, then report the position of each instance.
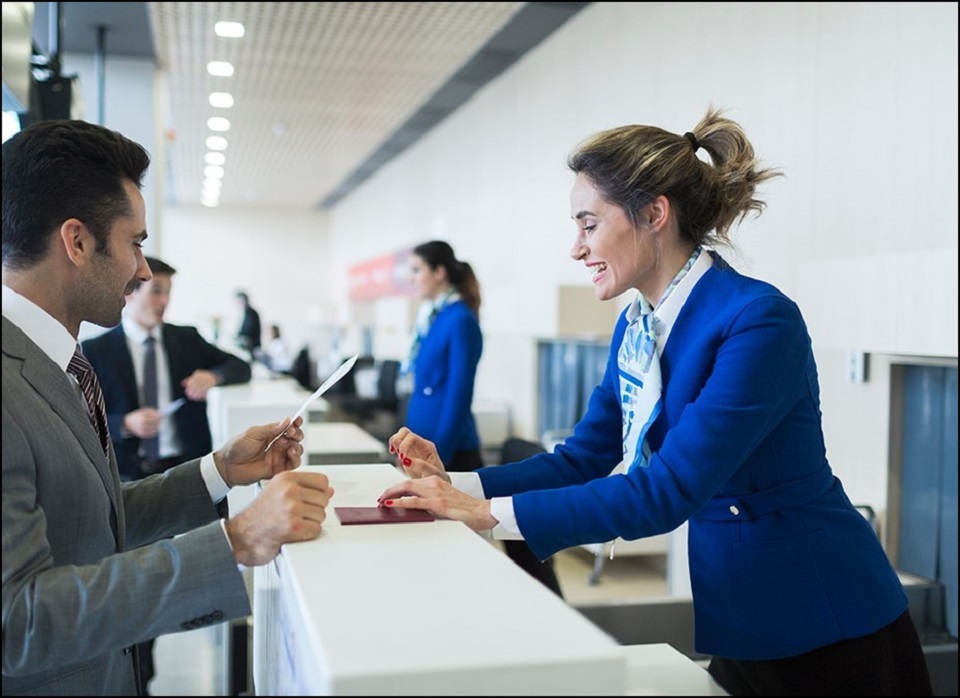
(380, 515)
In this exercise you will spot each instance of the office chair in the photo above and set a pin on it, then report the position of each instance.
(515, 449)
(377, 414)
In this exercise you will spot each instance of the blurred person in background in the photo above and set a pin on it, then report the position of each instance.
(248, 334)
(441, 370)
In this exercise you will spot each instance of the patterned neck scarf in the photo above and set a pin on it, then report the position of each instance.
(640, 381)
(429, 309)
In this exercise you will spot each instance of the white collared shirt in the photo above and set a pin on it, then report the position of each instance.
(136, 337)
(56, 342)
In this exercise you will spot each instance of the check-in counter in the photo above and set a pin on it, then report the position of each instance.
(416, 609)
(340, 443)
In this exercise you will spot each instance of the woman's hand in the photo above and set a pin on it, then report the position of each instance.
(440, 498)
(417, 455)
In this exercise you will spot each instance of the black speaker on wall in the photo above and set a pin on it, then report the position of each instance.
(52, 98)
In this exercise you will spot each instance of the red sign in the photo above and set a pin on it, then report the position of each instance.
(388, 275)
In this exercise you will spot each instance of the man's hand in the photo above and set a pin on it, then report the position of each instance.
(142, 423)
(245, 459)
(290, 508)
(196, 385)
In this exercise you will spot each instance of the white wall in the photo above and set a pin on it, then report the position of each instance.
(281, 259)
(129, 92)
(856, 102)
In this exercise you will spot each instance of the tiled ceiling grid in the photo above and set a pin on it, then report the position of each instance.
(317, 86)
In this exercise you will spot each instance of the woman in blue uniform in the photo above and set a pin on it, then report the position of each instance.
(444, 354)
(711, 399)
(443, 362)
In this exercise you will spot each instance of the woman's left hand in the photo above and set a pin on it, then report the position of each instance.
(417, 455)
(440, 498)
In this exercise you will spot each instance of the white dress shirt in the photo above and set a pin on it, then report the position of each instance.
(53, 339)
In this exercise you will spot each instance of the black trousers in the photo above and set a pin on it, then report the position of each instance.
(888, 662)
(516, 550)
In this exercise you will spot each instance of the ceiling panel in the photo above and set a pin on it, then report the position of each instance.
(318, 86)
(325, 92)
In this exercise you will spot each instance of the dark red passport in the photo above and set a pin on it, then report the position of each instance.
(380, 515)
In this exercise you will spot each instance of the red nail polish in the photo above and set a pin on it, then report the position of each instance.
(389, 502)
(407, 462)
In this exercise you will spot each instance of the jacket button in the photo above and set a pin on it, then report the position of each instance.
(734, 510)
(428, 390)
(127, 650)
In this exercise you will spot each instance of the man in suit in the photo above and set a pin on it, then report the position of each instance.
(248, 336)
(192, 367)
(92, 566)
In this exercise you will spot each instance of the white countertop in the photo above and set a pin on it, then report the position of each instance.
(340, 443)
(416, 609)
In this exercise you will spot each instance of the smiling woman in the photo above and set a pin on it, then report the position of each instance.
(710, 379)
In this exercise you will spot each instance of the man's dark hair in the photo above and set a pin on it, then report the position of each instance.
(158, 266)
(61, 169)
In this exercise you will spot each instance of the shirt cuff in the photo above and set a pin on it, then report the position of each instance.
(501, 508)
(223, 527)
(468, 483)
(217, 488)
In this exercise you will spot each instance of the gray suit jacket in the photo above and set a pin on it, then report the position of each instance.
(89, 565)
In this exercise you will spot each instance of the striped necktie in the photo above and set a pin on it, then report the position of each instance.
(151, 446)
(81, 369)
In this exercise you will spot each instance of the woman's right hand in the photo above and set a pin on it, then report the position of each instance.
(418, 456)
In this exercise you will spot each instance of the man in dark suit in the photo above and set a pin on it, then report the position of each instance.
(248, 336)
(192, 366)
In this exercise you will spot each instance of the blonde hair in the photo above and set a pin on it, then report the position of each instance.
(631, 165)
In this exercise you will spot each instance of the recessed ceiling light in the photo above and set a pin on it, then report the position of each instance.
(213, 172)
(232, 30)
(221, 69)
(215, 158)
(218, 123)
(216, 143)
(223, 100)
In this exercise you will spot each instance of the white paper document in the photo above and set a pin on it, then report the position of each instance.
(172, 407)
(327, 384)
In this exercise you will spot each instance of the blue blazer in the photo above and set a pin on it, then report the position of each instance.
(780, 560)
(443, 378)
(186, 352)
